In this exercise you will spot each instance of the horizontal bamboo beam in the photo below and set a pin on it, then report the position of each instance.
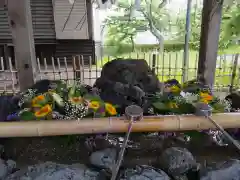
(116, 125)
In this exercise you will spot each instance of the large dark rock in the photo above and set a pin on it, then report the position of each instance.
(127, 81)
(53, 171)
(179, 162)
(234, 98)
(144, 173)
(229, 170)
(104, 159)
(6, 168)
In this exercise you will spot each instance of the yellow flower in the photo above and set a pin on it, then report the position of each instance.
(37, 99)
(205, 97)
(76, 100)
(204, 101)
(173, 105)
(175, 89)
(110, 109)
(45, 110)
(94, 105)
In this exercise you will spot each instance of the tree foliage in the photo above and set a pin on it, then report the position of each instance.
(153, 16)
(230, 34)
(195, 18)
(122, 28)
(230, 27)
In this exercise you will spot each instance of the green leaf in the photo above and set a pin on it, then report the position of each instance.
(116, 106)
(92, 98)
(42, 103)
(58, 99)
(159, 106)
(186, 108)
(27, 115)
(218, 108)
(77, 93)
(83, 90)
(72, 91)
(60, 86)
(194, 134)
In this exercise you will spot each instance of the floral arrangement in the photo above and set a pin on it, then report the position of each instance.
(63, 102)
(176, 100)
(77, 101)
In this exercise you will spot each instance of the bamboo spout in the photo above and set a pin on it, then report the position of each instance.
(116, 125)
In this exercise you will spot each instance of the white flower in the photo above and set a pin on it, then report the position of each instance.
(183, 94)
(190, 98)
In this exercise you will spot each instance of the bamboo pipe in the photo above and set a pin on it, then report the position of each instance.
(116, 125)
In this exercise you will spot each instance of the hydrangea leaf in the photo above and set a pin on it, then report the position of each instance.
(57, 98)
(27, 115)
(159, 105)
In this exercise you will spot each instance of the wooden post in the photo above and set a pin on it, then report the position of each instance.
(211, 20)
(187, 39)
(77, 67)
(20, 20)
(6, 56)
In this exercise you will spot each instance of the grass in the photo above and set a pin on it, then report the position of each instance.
(232, 50)
(170, 65)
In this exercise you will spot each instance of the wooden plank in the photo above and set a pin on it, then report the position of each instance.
(210, 30)
(89, 11)
(70, 19)
(21, 26)
(2, 3)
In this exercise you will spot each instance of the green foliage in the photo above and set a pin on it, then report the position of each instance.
(169, 46)
(195, 18)
(160, 106)
(230, 34)
(27, 115)
(154, 17)
(123, 27)
(171, 102)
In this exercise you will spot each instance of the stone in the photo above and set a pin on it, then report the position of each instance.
(177, 161)
(53, 171)
(144, 173)
(229, 170)
(126, 81)
(3, 169)
(11, 165)
(234, 99)
(104, 158)
(6, 168)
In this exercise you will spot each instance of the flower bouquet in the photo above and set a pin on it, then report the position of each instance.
(63, 102)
